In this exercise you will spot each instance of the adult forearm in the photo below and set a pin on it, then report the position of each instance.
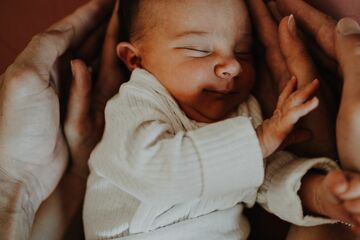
(58, 212)
(16, 209)
(348, 121)
(348, 126)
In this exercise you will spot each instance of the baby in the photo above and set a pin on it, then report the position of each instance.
(184, 147)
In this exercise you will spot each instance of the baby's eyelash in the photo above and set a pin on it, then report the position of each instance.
(194, 49)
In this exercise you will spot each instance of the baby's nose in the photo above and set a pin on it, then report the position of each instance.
(228, 68)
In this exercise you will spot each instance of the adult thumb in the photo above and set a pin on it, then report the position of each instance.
(347, 46)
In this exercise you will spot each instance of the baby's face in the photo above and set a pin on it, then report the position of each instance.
(201, 51)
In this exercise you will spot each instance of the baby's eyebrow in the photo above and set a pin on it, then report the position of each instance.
(190, 33)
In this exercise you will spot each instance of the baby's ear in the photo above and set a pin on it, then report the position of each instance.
(129, 54)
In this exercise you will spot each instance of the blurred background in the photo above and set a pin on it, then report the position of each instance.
(21, 19)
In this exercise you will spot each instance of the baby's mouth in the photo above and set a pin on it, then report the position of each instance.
(221, 92)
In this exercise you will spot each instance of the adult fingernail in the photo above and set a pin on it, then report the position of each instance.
(348, 26)
(72, 67)
(292, 25)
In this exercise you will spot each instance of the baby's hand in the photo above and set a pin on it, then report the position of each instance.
(338, 197)
(291, 106)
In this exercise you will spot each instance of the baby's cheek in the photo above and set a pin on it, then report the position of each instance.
(248, 76)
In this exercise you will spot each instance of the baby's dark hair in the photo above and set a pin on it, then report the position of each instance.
(127, 13)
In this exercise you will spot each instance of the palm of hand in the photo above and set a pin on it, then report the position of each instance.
(31, 140)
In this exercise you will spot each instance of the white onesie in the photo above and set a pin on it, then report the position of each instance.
(156, 174)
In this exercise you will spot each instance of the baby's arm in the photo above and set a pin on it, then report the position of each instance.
(153, 158)
(335, 195)
(291, 106)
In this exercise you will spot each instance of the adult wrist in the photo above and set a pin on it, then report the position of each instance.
(17, 209)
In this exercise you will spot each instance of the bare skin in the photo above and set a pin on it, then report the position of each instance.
(20, 189)
(29, 94)
(323, 30)
(83, 128)
(285, 57)
(334, 45)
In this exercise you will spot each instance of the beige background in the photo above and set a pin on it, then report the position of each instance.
(21, 19)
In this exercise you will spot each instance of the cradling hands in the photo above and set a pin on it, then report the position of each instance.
(286, 55)
(33, 149)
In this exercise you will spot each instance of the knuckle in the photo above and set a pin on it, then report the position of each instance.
(42, 38)
(17, 74)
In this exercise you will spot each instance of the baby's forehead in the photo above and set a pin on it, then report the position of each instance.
(157, 14)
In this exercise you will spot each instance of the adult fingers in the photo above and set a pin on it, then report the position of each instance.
(301, 65)
(79, 97)
(298, 60)
(320, 25)
(110, 75)
(90, 49)
(272, 6)
(319, 55)
(45, 48)
(348, 52)
(267, 31)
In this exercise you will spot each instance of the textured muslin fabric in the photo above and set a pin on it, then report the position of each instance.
(156, 174)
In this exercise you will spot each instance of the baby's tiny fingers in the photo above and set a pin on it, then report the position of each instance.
(353, 190)
(304, 93)
(287, 91)
(300, 111)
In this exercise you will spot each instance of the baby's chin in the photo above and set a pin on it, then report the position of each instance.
(212, 115)
(215, 110)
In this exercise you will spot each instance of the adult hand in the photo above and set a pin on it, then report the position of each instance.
(32, 147)
(84, 122)
(286, 55)
(340, 42)
(342, 48)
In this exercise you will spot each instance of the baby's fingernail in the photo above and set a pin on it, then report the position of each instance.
(292, 25)
(316, 100)
(348, 26)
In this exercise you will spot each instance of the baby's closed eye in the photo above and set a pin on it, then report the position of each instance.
(195, 51)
